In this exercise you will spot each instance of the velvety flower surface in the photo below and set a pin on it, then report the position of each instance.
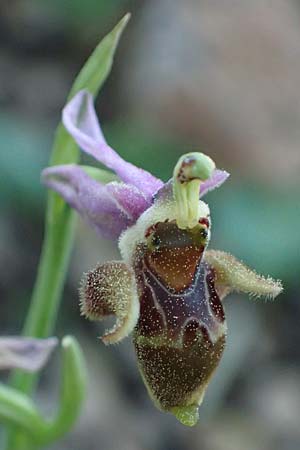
(25, 353)
(168, 288)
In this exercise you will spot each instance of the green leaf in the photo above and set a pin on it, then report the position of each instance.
(98, 66)
(16, 408)
(73, 387)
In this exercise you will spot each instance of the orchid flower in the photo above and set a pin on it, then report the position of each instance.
(168, 289)
(25, 353)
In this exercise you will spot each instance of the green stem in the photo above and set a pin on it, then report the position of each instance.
(48, 288)
(46, 296)
(60, 222)
(18, 409)
(73, 388)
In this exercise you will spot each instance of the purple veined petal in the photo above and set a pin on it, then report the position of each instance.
(218, 177)
(89, 197)
(25, 353)
(109, 208)
(129, 199)
(79, 118)
(165, 193)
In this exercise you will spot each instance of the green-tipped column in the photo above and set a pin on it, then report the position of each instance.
(190, 171)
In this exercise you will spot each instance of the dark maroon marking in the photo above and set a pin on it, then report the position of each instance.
(204, 221)
(150, 230)
(206, 336)
(181, 177)
(191, 333)
(151, 321)
(199, 302)
(214, 299)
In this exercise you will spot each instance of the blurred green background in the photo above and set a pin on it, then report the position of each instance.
(222, 77)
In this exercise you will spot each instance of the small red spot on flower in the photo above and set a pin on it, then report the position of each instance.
(204, 221)
(150, 230)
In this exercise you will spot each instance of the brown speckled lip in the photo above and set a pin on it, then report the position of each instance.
(181, 313)
(162, 310)
(173, 254)
(174, 267)
(173, 374)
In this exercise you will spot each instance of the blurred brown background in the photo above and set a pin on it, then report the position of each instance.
(218, 76)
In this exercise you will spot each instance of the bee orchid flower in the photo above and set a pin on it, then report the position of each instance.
(25, 353)
(168, 289)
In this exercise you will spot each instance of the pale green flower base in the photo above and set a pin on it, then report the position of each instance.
(187, 415)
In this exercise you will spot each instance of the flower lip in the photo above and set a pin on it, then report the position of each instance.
(180, 335)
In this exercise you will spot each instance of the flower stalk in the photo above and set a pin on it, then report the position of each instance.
(59, 228)
(18, 409)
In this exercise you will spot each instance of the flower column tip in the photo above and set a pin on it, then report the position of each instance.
(191, 170)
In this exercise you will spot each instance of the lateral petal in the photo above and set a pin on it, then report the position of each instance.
(107, 290)
(233, 275)
(217, 179)
(109, 208)
(79, 118)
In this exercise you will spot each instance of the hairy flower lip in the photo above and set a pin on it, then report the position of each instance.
(179, 306)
